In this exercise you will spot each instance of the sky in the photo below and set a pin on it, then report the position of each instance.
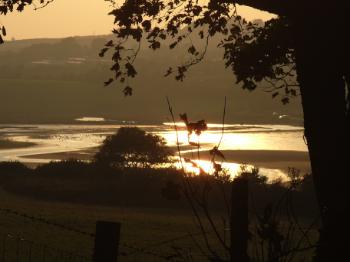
(64, 18)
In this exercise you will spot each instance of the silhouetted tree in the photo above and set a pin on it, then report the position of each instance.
(133, 147)
(304, 49)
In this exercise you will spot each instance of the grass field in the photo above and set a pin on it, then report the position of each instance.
(141, 227)
(56, 207)
(152, 233)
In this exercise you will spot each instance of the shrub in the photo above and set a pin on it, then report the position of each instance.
(133, 147)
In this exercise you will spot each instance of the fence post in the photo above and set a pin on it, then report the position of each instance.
(106, 241)
(239, 220)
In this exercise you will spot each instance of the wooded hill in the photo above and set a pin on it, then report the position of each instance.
(58, 80)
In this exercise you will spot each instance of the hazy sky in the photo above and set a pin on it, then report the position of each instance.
(65, 18)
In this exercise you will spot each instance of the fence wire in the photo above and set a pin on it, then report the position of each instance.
(15, 248)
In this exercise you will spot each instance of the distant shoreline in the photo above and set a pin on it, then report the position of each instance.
(9, 144)
(85, 154)
(271, 159)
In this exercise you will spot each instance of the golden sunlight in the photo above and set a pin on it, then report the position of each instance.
(64, 18)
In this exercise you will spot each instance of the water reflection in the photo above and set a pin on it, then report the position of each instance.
(233, 169)
(63, 138)
(231, 140)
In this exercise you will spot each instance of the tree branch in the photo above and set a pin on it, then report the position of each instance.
(279, 7)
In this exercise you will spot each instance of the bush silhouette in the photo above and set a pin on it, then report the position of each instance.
(133, 147)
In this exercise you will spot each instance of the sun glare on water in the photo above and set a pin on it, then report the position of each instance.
(231, 168)
(196, 147)
(209, 139)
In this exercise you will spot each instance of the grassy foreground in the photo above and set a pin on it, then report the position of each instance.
(75, 195)
(159, 230)
(151, 230)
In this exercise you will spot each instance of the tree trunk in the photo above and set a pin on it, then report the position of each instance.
(321, 61)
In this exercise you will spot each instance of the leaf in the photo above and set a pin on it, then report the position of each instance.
(192, 50)
(115, 67)
(198, 127)
(146, 25)
(216, 152)
(103, 52)
(169, 71)
(130, 70)
(196, 10)
(136, 34)
(201, 34)
(109, 81)
(181, 73)
(116, 56)
(3, 29)
(187, 20)
(109, 43)
(155, 45)
(127, 91)
(172, 46)
(162, 36)
(3, 10)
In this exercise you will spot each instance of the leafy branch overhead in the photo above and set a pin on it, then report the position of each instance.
(246, 45)
(9, 6)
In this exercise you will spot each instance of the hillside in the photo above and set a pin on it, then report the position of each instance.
(58, 80)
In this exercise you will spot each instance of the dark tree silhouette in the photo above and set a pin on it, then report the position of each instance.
(133, 147)
(304, 50)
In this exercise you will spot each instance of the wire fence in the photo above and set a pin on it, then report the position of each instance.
(19, 247)
(16, 248)
(7, 211)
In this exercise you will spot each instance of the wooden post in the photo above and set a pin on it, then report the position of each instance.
(239, 220)
(106, 241)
